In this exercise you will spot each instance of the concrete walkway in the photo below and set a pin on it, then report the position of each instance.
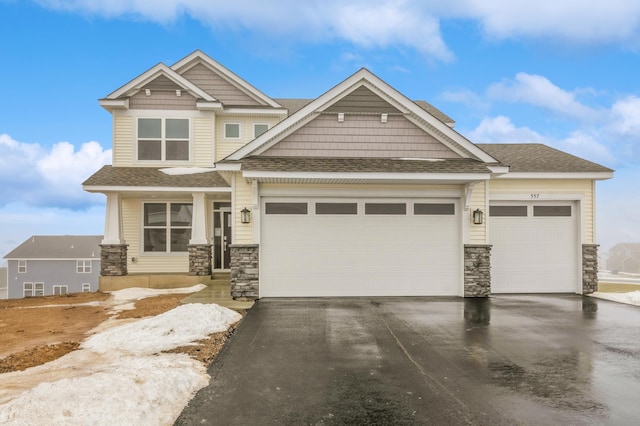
(218, 291)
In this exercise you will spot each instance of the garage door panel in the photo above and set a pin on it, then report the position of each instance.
(533, 254)
(359, 255)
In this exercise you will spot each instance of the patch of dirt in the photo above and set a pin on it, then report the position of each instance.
(35, 331)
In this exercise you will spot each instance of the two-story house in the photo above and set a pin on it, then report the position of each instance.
(46, 265)
(358, 192)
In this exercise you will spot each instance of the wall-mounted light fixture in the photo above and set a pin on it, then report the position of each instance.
(478, 217)
(245, 215)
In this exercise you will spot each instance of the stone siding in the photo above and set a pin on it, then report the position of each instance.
(244, 271)
(113, 260)
(477, 270)
(589, 268)
(200, 260)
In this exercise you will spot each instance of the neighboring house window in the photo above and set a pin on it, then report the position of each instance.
(167, 227)
(163, 139)
(22, 266)
(33, 289)
(259, 128)
(83, 266)
(60, 289)
(86, 287)
(232, 130)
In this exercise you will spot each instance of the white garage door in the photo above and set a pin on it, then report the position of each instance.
(359, 247)
(535, 247)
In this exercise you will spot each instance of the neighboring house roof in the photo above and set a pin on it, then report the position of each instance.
(58, 247)
(363, 165)
(109, 176)
(631, 249)
(539, 158)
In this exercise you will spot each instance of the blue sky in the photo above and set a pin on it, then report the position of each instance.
(561, 73)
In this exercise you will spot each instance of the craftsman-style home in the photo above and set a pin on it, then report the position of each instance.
(358, 192)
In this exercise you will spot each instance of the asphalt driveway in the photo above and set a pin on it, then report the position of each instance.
(504, 360)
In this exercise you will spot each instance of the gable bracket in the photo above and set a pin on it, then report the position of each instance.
(468, 189)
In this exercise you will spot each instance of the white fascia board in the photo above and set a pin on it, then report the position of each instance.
(558, 175)
(158, 70)
(373, 176)
(209, 106)
(498, 169)
(255, 111)
(228, 74)
(124, 189)
(111, 104)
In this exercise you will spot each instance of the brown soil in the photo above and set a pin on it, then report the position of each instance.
(32, 332)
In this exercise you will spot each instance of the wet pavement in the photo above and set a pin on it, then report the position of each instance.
(567, 360)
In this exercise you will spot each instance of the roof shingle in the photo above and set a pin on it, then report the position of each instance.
(153, 176)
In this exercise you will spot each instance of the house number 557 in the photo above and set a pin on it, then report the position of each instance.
(535, 196)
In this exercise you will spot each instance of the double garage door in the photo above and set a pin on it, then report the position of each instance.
(359, 247)
(535, 247)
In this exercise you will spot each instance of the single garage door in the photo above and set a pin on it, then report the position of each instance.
(359, 247)
(535, 247)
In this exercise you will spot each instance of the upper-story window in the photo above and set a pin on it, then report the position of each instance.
(22, 266)
(163, 139)
(259, 128)
(83, 266)
(232, 130)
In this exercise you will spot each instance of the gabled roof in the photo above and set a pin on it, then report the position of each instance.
(58, 247)
(632, 248)
(131, 178)
(539, 158)
(160, 69)
(364, 78)
(199, 57)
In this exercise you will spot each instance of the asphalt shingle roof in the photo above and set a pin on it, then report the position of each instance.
(362, 165)
(152, 176)
(539, 158)
(58, 247)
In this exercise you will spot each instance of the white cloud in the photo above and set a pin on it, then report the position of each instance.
(625, 116)
(539, 91)
(32, 175)
(467, 98)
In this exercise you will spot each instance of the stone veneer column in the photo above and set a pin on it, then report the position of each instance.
(113, 260)
(244, 271)
(477, 270)
(589, 268)
(200, 259)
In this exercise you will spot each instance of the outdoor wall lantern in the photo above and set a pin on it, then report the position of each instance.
(478, 216)
(245, 215)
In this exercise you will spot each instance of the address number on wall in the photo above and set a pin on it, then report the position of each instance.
(535, 196)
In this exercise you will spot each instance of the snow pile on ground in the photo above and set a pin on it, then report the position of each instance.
(122, 300)
(119, 376)
(631, 298)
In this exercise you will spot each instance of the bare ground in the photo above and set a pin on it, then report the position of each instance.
(37, 330)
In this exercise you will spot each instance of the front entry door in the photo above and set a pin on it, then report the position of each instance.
(221, 235)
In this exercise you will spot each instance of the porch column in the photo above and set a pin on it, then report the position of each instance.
(113, 250)
(589, 268)
(477, 270)
(199, 246)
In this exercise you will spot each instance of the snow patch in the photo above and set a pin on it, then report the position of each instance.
(630, 298)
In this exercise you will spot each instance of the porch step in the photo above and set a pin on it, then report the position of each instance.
(218, 291)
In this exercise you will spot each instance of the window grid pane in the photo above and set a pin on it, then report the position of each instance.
(149, 150)
(150, 128)
(552, 211)
(259, 129)
(286, 208)
(177, 128)
(177, 150)
(385, 208)
(508, 211)
(434, 209)
(336, 208)
(232, 130)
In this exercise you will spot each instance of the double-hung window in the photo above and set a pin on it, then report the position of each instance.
(83, 266)
(167, 227)
(163, 139)
(22, 266)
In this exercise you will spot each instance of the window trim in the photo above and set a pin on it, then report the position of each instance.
(163, 139)
(61, 286)
(224, 130)
(22, 266)
(167, 226)
(86, 287)
(259, 124)
(82, 268)
(34, 288)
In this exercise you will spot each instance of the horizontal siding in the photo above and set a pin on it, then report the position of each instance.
(551, 186)
(243, 232)
(218, 87)
(131, 223)
(123, 141)
(203, 142)
(360, 136)
(162, 100)
(477, 233)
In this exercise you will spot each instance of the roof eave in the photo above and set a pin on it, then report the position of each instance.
(558, 175)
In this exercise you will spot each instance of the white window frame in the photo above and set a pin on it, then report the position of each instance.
(37, 289)
(57, 290)
(224, 129)
(83, 266)
(255, 135)
(22, 266)
(26, 290)
(86, 287)
(167, 227)
(163, 140)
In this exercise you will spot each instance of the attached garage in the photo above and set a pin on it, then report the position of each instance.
(535, 247)
(312, 247)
